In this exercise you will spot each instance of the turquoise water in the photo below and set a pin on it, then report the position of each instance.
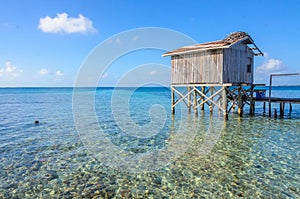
(252, 156)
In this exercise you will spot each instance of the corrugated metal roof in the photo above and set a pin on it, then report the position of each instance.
(198, 47)
(225, 43)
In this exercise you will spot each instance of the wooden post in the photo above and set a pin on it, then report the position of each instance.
(189, 98)
(202, 98)
(275, 112)
(211, 106)
(173, 99)
(252, 103)
(195, 101)
(291, 108)
(224, 96)
(264, 107)
(252, 112)
(240, 101)
(281, 109)
(270, 90)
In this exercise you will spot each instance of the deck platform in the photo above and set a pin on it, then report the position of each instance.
(278, 100)
(281, 100)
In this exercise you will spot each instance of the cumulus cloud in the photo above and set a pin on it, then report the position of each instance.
(271, 66)
(135, 38)
(62, 23)
(104, 75)
(59, 73)
(10, 70)
(154, 72)
(44, 71)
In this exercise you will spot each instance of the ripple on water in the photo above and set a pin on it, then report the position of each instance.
(254, 156)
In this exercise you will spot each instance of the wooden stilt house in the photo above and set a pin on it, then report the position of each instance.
(222, 63)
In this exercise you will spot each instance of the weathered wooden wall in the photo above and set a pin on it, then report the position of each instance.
(236, 59)
(200, 67)
(228, 65)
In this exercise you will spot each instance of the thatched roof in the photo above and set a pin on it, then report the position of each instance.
(225, 43)
(236, 36)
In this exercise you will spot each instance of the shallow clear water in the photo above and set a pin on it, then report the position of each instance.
(252, 156)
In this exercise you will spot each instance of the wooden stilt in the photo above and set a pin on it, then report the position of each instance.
(202, 98)
(189, 98)
(281, 110)
(173, 100)
(211, 106)
(240, 102)
(195, 101)
(291, 108)
(252, 103)
(264, 107)
(275, 112)
(224, 96)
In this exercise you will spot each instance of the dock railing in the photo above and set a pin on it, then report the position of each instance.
(270, 87)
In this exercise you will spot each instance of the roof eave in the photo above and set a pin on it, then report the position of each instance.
(193, 51)
(260, 53)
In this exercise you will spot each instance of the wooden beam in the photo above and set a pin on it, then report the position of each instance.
(209, 98)
(199, 85)
(224, 98)
(202, 98)
(240, 101)
(173, 100)
(195, 100)
(189, 98)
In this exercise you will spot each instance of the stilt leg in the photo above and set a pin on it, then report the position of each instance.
(195, 101)
(252, 103)
(173, 100)
(202, 98)
(240, 102)
(224, 96)
(189, 98)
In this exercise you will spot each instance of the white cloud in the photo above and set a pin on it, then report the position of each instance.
(154, 72)
(104, 75)
(59, 73)
(118, 41)
(10, 70)
(64, 24)
(44, 71)
(271, 66)
(135, 38)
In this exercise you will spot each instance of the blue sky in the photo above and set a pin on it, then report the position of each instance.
(44, 43)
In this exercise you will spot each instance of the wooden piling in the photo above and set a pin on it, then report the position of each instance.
(202, 98)
(173, 100)
(281, 110)
(275, 112)
(252, 102)
(211, 106)
(195, 101)
(224, 96)
(189, 98)
(240, 102)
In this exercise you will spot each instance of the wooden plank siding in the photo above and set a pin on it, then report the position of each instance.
(225, 65)
(236, 59)
(200, 67)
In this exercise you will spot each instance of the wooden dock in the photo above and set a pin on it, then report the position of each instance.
(280, 100)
